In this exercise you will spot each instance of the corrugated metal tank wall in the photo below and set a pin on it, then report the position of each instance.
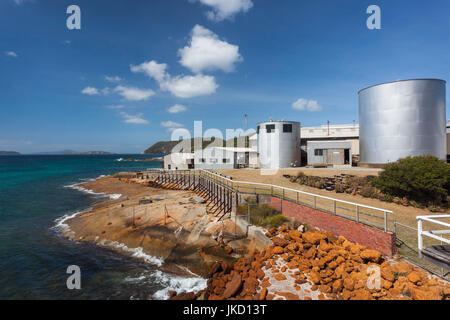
(279, 149)
(402, 118)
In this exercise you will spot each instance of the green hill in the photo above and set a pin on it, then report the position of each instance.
(166, 147)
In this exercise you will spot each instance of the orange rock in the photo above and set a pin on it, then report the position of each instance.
(287, 295)
(280, 242)
(280, 277)
(371, 255)
(292, 265)
(414, 277)
(349, 284)
(233, 286)
(402, 268)
(361, 294)
(283, 269)
(387, 273)
(263, 294)
(432, 293)
(270, 296)
(313, 237)
(277, 250)
(315, 277)
(338, 285)
(310, 253)
(386, 284)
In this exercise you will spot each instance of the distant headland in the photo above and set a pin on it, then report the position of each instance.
(72, 152)
(9, 153)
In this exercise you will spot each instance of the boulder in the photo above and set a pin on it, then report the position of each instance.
(277, 250)
(233, 287)
(281, 242)
(263, 294)
(280, 276)
(371, 255)
(414, 277)
(313, 237)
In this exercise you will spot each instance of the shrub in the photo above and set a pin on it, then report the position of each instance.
(368, 192)
(425, 179)
(274, 221)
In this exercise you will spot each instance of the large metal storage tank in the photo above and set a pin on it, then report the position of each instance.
(400, 119)
(279, 144)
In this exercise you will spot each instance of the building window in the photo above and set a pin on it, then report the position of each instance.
(270, 128)
(224, 160)
(287, 127)
(318, 152)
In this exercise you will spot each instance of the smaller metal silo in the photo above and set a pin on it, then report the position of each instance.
(279, 144)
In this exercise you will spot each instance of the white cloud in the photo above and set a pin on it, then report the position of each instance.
(225, 9)
(177, 108)
(152, 69)
(113, 78)
(306, 105)
(11, 54)
(67, 42)
(90, 91)
(135, 119)
(134, 94)
(190, 86)
(119, 106)
(180, 86)
(171, 124)
(206, 52)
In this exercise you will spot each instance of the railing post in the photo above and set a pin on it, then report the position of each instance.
(334, 207)
(385, 221)
(315, 202)
(419, 234)
(357, 214)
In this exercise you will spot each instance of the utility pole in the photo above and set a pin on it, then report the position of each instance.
(328, 124)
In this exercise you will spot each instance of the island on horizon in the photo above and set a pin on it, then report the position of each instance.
(9, 153)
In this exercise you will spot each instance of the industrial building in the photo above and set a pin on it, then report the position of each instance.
(318, 144)
(400, 119)
(279, 144)
(396, 120)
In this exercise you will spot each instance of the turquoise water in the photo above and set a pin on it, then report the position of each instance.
(34, 257)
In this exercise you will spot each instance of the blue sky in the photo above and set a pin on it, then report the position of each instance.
(255, 57)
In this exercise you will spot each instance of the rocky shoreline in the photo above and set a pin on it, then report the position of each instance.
(316, 265)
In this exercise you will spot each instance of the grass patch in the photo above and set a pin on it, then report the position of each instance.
(263, 215)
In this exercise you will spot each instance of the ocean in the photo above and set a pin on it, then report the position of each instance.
(36, 193)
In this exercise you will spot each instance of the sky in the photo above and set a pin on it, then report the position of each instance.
(139, 69)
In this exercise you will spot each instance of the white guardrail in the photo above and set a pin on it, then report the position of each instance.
(432, 233)
(235, 185)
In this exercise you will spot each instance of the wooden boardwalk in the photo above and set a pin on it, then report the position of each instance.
(439, 255)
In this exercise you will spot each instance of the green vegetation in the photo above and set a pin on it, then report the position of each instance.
(263, 215)
(423, 179)
(420, 182)
(188, 145)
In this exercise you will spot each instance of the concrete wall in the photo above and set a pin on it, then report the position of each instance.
(370, 237)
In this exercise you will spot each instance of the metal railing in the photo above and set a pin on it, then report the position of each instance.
(360, 213)
(434, 234)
